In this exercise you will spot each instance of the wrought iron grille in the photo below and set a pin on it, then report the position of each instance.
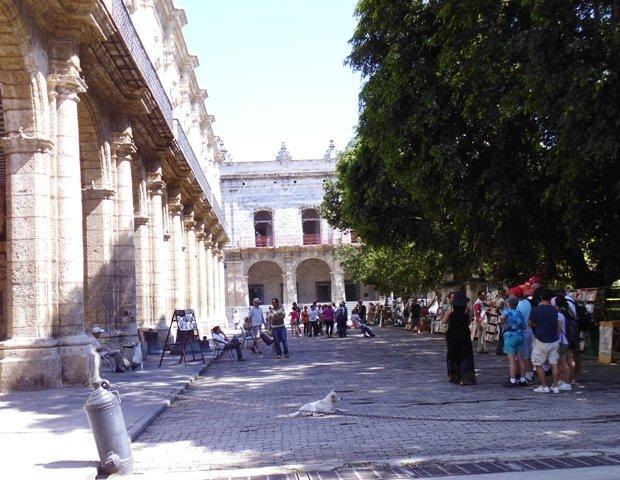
(125, 26)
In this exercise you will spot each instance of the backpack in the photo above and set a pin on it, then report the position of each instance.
(585, 321)
(571, 329)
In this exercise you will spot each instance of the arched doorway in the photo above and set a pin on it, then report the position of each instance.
(313, 281)
(265, 282)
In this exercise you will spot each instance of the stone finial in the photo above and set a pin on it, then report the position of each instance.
(283, 154)
(331, 153)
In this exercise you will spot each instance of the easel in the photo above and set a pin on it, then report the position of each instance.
(183, 337)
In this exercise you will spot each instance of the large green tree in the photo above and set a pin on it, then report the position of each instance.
(490, 132)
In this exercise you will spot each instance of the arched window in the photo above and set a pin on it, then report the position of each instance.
(263, 229)
(311, 226)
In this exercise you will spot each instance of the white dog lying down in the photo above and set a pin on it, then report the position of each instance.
(325, 405)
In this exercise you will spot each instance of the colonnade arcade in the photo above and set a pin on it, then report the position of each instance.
(103, 219)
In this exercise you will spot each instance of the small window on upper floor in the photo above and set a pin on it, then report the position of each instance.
(263, 229)
(311, 226)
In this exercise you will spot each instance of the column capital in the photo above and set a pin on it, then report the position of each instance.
(123, 144)
(175, 206)
(208, 240)
(66, 84)
(155, 183)
(190, 222)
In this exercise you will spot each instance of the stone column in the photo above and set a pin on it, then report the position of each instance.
(178, 255)
(338, 293)
(74, 346)
(222, 285)
(191, 263)
(216, 284)
(159, 287)
(28, 358)
(125, 250)
(289, 280)
(201, 262)
(210, 279)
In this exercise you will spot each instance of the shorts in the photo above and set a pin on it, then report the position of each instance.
(256, 329)
(541, 352)
(513, 343)
(528, 340)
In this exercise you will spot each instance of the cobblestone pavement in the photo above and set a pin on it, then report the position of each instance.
(395, 374)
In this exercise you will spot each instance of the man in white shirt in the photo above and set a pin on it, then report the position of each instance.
(478, 326)
(220, 338)
(255, 314)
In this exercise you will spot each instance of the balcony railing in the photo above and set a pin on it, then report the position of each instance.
(189, 154)
(263, 241)
(121, 17)
(312, 238)
(130, 36)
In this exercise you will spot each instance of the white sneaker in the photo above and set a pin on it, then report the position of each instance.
(565, 387)
(555, 389)
(541, 389)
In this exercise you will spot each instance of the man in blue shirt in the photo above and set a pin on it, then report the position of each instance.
(546, 327)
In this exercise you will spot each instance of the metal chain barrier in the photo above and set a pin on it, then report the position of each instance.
(180, 396)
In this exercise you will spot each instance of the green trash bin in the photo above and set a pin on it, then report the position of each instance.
(591, 347)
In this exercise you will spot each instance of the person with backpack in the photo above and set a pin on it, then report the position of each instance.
(341, 320)
(525, 307)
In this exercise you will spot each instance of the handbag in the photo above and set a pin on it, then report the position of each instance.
(266, 338)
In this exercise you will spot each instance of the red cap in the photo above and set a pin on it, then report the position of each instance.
(535, 279)
(517, 291)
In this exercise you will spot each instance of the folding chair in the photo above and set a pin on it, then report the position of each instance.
(246, 336)
(219, 348)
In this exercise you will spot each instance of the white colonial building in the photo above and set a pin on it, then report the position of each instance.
(109, 183)
(280, 246)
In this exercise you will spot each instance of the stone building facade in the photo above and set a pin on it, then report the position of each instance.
(280, 247)
(109, 183)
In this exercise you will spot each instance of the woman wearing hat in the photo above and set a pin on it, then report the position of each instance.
(460, 356)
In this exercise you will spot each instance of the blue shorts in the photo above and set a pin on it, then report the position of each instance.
(513, 343)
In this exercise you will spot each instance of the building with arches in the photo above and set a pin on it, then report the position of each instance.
(280, 246)
(109, 183)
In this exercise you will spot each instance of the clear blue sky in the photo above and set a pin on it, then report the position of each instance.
(274, 72)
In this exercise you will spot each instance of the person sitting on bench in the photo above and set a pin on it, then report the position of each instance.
(220, 338)
(105, 352)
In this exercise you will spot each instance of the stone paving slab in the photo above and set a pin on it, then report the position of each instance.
(395, 374)
(45, 434)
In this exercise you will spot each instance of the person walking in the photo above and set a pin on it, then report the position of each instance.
(361, 310)
(416, 315)
(278, 329)
(460, 354)
(295, 332)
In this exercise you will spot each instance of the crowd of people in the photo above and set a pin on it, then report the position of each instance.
(311, 321)
(539, 334)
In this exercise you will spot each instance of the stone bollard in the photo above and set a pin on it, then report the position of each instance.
(103, 409)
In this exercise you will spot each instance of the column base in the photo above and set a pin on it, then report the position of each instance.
(29, 364)
(77, 359)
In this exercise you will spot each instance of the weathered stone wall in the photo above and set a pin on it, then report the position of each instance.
(103, 213)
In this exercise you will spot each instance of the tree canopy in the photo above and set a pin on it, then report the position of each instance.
(488, 138)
